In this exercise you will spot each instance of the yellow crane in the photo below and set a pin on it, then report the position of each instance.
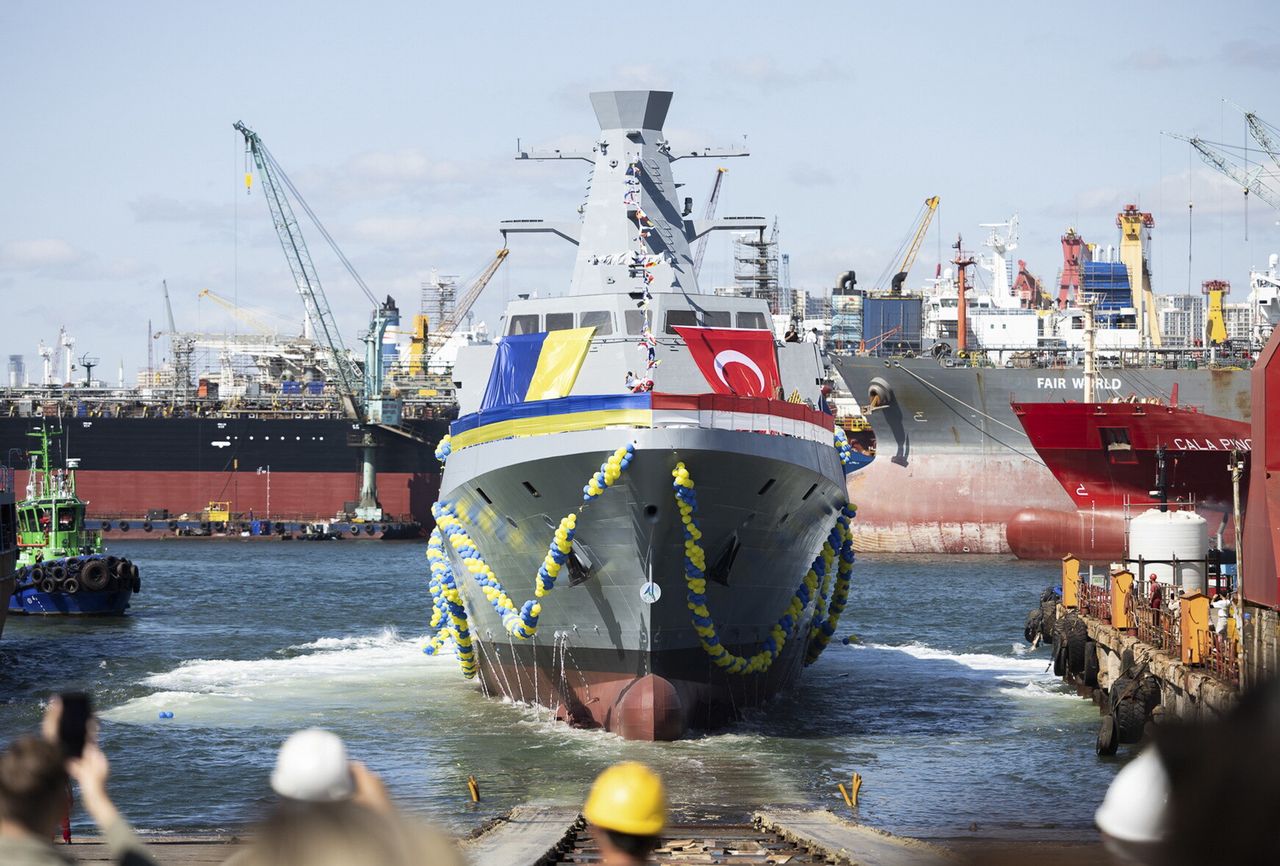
(930, 206)
(250, 318)
(422, 345)
(1215, 327)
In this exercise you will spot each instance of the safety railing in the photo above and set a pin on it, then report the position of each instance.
(1155, 627)
(1221, 657)
(1094, 601)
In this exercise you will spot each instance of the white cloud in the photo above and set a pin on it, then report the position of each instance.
(38, 254)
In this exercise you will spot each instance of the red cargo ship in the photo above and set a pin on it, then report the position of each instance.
(1106, 456)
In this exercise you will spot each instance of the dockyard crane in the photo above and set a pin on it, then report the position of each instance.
(250, 318)
(445, 328)
(359, 391)
(1260, 180)
(928, 209)
(707, 216)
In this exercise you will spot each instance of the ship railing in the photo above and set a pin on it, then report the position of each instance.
(6, 479)
(1156, 627)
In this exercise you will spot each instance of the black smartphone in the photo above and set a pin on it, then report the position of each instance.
(73, 727)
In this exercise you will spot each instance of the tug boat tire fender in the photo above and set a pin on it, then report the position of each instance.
(47, 584)
(94, 575)
(70, 586)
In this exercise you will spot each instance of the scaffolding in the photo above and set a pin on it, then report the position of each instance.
(439, 297)
(755, 268)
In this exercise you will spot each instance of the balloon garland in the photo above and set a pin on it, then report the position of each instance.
(842, 448)
(444, 448)
(824, 627)
(446, 603)
(519, 622)
(815, 581)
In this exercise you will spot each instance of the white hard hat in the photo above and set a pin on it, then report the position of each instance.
(312, 765)
(1135, 808)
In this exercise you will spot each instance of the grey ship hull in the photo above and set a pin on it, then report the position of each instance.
(955, 473)
(603, 657)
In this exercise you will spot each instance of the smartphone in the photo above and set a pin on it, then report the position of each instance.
(74, 725)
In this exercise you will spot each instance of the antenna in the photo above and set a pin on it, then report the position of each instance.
(88, 363)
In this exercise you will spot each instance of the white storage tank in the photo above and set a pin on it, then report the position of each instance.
(1181, 535)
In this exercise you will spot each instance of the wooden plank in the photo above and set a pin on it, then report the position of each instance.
(851, 844)
(527, 836)
(164, 850)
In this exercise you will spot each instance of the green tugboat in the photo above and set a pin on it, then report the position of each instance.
(62, 567)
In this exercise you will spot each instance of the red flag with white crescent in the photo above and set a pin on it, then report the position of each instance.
(735, 361)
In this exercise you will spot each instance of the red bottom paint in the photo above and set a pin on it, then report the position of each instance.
(280, 495)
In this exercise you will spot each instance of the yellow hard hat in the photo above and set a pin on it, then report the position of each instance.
(628, 798)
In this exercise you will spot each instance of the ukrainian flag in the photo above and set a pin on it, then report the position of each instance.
(536, 366)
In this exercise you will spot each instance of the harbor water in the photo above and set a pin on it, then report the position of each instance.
(957, 729)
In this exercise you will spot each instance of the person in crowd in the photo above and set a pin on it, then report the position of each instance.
(34, 773)
(631, 380)
(792, 335)
(812, 336)
(1156, 599)
(626, 812)
(333, 810)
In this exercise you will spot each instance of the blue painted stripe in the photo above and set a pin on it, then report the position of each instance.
(560, 406)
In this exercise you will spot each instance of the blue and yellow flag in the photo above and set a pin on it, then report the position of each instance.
(536, 366)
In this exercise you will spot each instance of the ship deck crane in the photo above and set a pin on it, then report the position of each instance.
(707, 216)
(360, 391)
(912, 247)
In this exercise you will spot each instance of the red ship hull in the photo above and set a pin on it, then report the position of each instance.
(1104, 455)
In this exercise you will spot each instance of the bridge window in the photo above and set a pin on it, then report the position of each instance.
(634, 321)
(559, 321)
(681, 318)
(755, 321)
(523, 325)
(601, 320)
(718, 319)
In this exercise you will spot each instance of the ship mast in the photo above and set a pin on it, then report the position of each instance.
(1085, 303)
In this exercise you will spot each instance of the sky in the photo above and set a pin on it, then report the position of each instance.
(398, 122)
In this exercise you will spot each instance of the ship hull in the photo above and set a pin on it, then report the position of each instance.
(33, 602)
(1104, 457)
(955, 471)
(288, 469)
(602, 657)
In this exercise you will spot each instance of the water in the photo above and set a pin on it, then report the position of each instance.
(941, 708)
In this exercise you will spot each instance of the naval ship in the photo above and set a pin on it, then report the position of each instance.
(652, 459)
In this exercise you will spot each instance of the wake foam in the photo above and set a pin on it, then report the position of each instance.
(1027, 677)
(300, 681)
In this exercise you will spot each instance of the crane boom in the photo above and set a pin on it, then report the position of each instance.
(1251, 181)
(931, 205)
(304, 271)
(449, 323)
(707, 216)
(258, 323)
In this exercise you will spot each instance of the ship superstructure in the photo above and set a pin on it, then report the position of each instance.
(707, 555)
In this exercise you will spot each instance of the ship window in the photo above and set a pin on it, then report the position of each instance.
(808, 493)
(763, 490)
(601, 320)
(717, 319)
(533, 491)
(523, 325)
(755, 321)
(559, 321)
(635, 321)
(682, 318)
(484, 496)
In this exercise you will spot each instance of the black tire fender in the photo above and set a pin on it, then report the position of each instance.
(1107, 742)
(94, 575)
(1091, 666)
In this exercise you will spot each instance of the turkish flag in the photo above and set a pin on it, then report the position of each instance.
(735, 361)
